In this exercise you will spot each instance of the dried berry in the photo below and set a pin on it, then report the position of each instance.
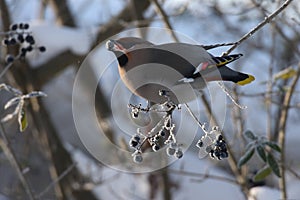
(137, 158)
(178, 154)
(170, 151)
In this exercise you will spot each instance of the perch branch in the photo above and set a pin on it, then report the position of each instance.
(282, 132)
(259, 26)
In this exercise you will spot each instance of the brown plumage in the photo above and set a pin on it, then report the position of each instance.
(177, 68)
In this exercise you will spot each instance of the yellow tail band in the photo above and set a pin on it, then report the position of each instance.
(247, 80)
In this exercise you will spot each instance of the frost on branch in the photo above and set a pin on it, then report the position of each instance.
(162, 135)
(19, 101)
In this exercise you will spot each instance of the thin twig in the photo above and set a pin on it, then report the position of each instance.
(195, 118)
(231, 159)
(54, 182)
(5, 69)
(4, 144)
(165, 18)
(204, 176)
(282, 132)
(259, 26)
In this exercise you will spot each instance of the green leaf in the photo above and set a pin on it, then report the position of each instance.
(273, 164)
(261, 152)
(249, 145)
(250, 135)
(246, 157)
(262, 173)
(273, 145)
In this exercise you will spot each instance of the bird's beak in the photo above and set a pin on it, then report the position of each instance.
(112, 45)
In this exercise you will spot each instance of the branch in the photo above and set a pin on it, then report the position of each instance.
(231, 159)
(165, 18)
(13, 161)
(54, 182)
(282, 132)
(115, 25)
(203, 176)
(259, 26)
(63, 13)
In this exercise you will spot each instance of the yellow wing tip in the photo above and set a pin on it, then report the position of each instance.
(247, 80)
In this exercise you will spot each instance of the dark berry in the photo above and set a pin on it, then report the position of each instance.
(199, 144)
(23, 50)
(217, 154)
(136, 138)
(5, 42)
(155, 147)
(42, 49)
(20, 38)
(133, 143)
(219, 137)
(9, 59)
(29, 48)
(133, 114)
(162, 133)
(162, 92)
(26, 26)
(29, 39)
(12, 41)
(21, 26)
(178, 154)
(170, 151)
(14, 27)
(223, 154)
(156, 138)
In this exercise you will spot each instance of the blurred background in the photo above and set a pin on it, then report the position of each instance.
(49, 161)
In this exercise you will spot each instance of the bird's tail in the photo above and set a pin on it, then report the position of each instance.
(239, 78)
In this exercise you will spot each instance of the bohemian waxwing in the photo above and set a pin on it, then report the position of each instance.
(172, 69)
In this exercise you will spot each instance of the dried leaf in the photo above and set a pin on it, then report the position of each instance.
(7, 117)
(35, 94)
(12, 102)
(10, 89)
(285, 74)
(22, 119)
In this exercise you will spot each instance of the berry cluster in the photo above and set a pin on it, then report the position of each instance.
(174, 150)
(19, 34)
(213, 144)
(162, 137)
